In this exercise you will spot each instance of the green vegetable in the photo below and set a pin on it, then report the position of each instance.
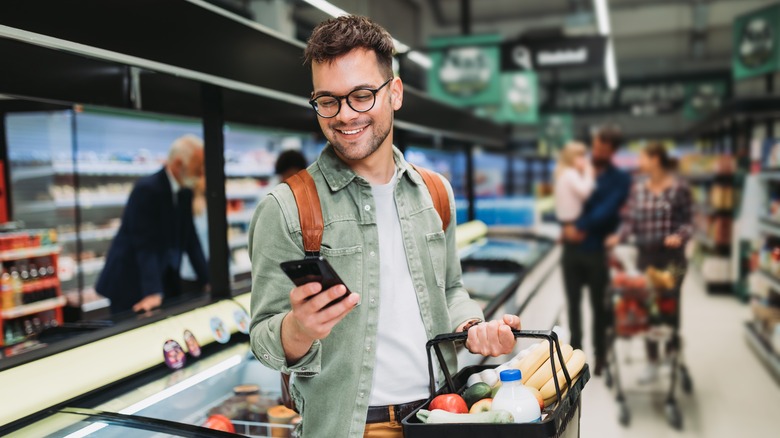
(476, 392)
(438, 416)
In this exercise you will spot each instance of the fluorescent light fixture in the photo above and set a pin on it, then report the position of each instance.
(611, 66)
(164, 394)
(327, 7)
(605, 29)
(334, 11)
(602, 17)
(420, 58)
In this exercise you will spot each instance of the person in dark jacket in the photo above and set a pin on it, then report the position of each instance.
(142, 264)
(584, 260)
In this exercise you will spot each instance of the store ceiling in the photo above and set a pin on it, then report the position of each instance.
(651, 37)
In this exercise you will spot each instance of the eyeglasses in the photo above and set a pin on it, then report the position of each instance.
(360, 100)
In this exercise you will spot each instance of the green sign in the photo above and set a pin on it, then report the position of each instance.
(756, 43)
(466, 70)
(521, 98)
(555, 130)
(702, 98)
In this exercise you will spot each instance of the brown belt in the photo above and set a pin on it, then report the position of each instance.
(382, 414)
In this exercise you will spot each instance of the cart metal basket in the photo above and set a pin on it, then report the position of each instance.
(560, 420)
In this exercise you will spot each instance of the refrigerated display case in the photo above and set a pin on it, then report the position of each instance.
(451, 164)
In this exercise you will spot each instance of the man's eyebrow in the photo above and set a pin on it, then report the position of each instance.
(330, 93)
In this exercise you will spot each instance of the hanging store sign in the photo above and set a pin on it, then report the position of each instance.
(756, 43)
(640, 98)
(550, 54)
(466, 70)
(555, 130)
(521, 98)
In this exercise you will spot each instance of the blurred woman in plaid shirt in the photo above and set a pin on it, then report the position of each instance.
(657, 220)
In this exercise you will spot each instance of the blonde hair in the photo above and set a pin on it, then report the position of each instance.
(568, 155)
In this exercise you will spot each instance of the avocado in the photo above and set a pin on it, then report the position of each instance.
(476, 392)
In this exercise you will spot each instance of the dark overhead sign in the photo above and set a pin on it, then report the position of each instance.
(553, 53)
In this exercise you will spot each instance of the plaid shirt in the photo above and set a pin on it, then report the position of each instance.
(650, 218)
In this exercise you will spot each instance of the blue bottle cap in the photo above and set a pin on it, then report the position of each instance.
(511, 375)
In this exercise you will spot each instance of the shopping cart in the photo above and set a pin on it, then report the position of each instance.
(560, 420)
(640, 309)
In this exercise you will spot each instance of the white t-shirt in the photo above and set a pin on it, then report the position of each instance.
(572, 189)
(401, 369)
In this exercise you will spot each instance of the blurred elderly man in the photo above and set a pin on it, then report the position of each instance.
(143, 263)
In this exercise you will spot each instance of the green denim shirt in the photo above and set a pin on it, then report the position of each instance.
(333, 380)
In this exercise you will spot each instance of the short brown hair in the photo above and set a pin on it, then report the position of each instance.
(336, 37)
(658, 150)
(611, 135)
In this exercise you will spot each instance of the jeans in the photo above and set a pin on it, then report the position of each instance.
(586, 268)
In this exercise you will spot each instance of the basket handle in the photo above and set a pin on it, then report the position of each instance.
(434, 344)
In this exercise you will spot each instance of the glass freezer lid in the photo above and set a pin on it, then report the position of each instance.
(79, 423)
(522, 252)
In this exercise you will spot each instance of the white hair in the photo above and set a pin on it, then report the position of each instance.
(184, 147)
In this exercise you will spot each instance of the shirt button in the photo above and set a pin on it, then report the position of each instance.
(373, 254)
(361, 394)
(367, 208)
(265, 356)
(303, 368)
(373, 301)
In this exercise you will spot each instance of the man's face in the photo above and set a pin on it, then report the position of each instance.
(192, 172)
(602, 153)
(355, 135)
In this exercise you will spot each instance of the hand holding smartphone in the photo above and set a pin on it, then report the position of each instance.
(315, 270)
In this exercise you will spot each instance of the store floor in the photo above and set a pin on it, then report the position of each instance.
(733, 396)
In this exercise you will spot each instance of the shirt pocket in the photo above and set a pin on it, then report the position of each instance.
(348, 264)
(437, 250)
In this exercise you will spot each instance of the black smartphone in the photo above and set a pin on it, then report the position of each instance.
(315, 270)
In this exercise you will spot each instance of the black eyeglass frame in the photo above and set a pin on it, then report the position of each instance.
(345, 97)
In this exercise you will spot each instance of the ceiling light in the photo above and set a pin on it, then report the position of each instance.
(327, 7)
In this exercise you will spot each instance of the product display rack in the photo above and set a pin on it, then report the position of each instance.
(32, 299)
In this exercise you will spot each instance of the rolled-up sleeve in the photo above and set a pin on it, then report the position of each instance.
(460, 305)
(274, 237)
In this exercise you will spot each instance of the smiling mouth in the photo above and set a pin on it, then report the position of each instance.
(352, 131)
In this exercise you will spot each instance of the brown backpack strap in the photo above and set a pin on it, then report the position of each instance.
(441, 201)
(309, 211)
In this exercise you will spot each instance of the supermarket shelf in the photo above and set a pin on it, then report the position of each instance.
(244, 194)
(20, 174)
(108, 168)
(89, 235)
(762, 349)
(769, 226)
(31, 309)
(239, 242)
(91, 266)
(26, 253)
(242, 217)
(771, 278)
(85, 203)
(235, 170)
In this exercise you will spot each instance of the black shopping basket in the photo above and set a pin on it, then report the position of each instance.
(560, 420)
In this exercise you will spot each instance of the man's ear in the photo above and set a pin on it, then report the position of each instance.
(396, 93)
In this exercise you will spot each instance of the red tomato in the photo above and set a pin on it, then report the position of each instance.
(450, 403)
(219, 422)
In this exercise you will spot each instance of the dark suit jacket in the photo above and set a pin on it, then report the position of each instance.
(145, 255)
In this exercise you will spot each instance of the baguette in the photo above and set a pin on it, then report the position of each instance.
(574, 365)
(544, 373)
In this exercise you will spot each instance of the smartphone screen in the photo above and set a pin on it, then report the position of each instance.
(314, 271)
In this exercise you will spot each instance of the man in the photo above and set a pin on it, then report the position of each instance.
(360, 365)
(289, 163)
(584, 260)
(143, 262)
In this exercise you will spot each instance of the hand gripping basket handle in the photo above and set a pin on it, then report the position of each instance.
(551, 336)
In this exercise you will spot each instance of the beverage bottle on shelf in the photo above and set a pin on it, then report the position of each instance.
(16, 285)
(6, 290)
(516, 399)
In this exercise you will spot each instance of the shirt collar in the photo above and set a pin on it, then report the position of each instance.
(338, 174)
(175, 186)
